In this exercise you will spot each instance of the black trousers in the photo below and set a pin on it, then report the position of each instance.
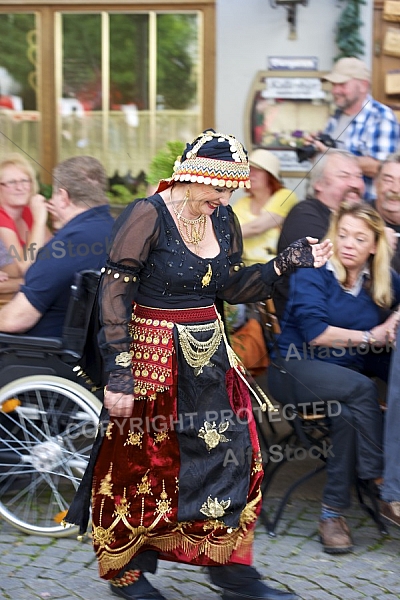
(356, 431)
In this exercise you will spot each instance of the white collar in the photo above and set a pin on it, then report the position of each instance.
(357, 287)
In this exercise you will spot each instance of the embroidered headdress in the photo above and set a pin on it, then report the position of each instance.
(213, 159)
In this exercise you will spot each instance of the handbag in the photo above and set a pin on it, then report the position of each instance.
(249, 344)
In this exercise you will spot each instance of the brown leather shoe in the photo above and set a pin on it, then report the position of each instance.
(334, 535)
(390, 511)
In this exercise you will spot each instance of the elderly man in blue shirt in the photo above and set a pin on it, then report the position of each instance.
(83, 223)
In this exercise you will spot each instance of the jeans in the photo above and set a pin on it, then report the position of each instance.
(356, 431)
(391, 485)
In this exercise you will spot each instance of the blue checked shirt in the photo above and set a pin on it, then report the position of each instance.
(374, 132)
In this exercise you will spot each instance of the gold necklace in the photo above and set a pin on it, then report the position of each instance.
(192, 231)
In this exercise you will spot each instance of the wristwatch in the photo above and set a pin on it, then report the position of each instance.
(368, 339)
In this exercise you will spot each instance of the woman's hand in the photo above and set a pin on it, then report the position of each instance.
(321, 252)
(306, 252)
(117, 404)
(386, 331)
(3, 276)
(38, 206)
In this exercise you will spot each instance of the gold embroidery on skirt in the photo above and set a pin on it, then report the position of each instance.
(160, 437)
(248, 514)
(109, 430)
(106, 485)
(215, 508)
(218, 549)
(103, 537)
(134, 439)
(213, 436)
(122, 509)
(164, 504)
(144, 487)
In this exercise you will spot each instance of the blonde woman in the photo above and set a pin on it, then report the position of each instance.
(23, 212)
(339, 330)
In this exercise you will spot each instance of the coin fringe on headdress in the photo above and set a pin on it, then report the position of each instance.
(192, 168)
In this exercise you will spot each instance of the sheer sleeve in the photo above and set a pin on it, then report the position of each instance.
(135, 233)
(245, 284)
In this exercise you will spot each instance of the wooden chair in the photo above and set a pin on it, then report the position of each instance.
(308, 429)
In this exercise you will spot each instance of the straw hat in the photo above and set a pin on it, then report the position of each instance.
(265, 160)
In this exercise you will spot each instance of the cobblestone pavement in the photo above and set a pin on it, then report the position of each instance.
(34, 567)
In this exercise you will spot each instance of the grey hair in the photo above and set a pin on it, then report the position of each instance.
(84, 178)
(318, 170)
(391, 158)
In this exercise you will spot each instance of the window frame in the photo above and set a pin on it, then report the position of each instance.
(46, 15)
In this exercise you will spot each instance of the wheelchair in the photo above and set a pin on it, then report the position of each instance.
(49, 412)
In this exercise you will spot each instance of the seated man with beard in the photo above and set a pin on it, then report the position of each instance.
(387, 202)
(337, 177)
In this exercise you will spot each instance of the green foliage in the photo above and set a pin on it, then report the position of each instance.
(176, 82)
(46, 189)
(17, 53)
(348, 39)
(82, 56)
(129, 64)
(162, 165)
(119, 194)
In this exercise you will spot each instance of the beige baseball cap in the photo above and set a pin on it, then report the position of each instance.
(346, 69)
(266, 160)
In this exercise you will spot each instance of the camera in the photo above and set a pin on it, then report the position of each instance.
(309, 151)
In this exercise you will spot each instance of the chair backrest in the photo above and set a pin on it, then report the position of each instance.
(79, 311)
(269, 321)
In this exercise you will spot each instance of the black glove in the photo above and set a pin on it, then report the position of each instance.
(298, 254)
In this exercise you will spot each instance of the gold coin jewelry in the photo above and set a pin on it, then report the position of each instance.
(192, 231)
(198, 353)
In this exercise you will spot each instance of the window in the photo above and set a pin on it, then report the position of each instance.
(115, 83)
(19, 116)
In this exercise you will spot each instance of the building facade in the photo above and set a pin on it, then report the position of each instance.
(117, 80)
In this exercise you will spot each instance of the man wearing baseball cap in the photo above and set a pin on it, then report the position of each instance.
(361, 124)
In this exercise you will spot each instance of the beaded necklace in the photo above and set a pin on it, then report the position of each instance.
(193, 231)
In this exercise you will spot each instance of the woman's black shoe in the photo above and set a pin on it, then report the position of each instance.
(264, 593)
(242, 582)
(140, 590)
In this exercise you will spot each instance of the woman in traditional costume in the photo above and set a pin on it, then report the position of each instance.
(178, 473)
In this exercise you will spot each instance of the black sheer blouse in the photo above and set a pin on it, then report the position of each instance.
(150, 264)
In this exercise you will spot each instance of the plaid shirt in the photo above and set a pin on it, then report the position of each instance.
(374, 132)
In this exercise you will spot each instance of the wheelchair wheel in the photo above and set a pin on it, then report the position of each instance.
(47, 428)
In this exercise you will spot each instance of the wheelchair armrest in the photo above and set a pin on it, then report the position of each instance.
(20, 341)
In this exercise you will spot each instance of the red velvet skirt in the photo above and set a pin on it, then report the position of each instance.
(182, 475)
